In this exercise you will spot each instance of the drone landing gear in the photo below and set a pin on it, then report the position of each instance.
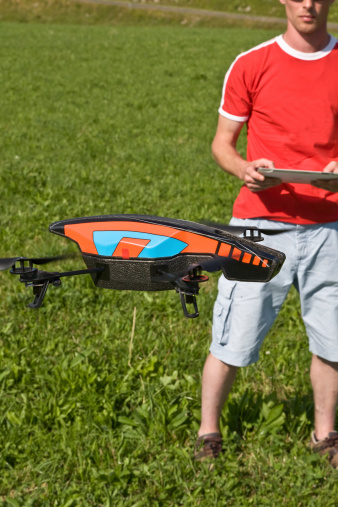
(186, 286)
(41, 280)
(190, 291)
(188, 299)
(39, 292)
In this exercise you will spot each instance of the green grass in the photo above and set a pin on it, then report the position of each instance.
(271, 8)
(100, 390)
(70, 12)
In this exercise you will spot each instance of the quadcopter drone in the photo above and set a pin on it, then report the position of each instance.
(149, 253)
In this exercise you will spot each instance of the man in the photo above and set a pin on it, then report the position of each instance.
(286, 91)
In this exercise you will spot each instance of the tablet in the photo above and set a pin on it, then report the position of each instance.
(296, 176)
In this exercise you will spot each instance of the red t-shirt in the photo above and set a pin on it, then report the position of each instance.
(289, 100)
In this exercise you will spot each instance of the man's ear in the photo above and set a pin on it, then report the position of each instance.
(283, 2)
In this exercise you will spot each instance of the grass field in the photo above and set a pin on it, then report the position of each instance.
(100, 390)
(92, 13)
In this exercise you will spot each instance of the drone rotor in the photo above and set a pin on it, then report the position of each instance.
(252, 233)
(37, 279)
(10, 262)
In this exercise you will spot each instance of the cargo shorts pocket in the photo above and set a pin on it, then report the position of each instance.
(220, 321)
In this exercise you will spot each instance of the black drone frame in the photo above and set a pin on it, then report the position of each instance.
(163, 273)
(40, 280)
(186, 286)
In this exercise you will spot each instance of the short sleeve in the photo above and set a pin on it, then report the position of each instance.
(236, 98)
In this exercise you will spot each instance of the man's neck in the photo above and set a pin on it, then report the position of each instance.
(306, 43)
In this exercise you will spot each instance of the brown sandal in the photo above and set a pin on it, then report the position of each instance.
(328, 445)
(208, 446)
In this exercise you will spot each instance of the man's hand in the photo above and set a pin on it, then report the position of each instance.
(227, 157)
(254, 180)
(329, 185)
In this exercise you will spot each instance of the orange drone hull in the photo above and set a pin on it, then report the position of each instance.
(132, 249)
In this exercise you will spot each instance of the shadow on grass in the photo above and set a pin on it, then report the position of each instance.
(253, 415)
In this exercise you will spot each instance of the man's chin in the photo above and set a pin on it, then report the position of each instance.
(308, 27)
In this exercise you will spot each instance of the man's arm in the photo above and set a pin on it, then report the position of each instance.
(330, 185)
(227, 157)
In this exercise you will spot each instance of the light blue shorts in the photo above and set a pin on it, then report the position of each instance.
(245, 311)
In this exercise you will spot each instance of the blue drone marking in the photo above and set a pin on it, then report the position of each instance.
(158, 246)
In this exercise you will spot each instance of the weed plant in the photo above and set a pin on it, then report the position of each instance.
(99, 389)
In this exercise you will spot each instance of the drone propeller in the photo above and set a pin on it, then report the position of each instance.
(252, 233)
(37, 279)
(210, 266)
(7, 263)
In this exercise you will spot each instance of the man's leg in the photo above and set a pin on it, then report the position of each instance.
(217, 381)
(324, 378)
(243, 314)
